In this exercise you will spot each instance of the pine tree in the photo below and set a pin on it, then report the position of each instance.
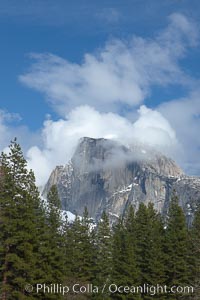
(130, 231)
(103, 262)
(124, 271)
(79, 251)
(149, 248)
(194, 254)
(52, 247)
(19, 202)
(87, 246)
(155, 244)
(177, 268)
(131, 245)
(67, 251)
(142, 236)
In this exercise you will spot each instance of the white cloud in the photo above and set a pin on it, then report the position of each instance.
(9, 117)
(184, 116)
(153, 129)
(7, 133)
(179, 32)
(61, 137)
(9, 130)
(122, 72)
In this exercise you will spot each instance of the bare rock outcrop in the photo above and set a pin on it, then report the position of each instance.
(105, 175)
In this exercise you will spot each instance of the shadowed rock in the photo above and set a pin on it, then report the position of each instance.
(105, 175)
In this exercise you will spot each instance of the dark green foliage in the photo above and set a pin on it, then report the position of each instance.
(176, 247)
(30, 244)
(19, 202)
(79, 254)
(103, 260)
(54, 205)
(125, 271)
(37, 246)
(149, 247)
(194, 254)
(52, 244)
(80, 249)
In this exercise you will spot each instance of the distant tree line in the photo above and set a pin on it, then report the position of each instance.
(39, 246)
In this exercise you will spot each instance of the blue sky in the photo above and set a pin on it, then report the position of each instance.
(136, 62)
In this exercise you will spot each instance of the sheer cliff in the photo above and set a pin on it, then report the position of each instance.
(104, 175)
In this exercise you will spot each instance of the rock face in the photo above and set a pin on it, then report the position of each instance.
(104, 175)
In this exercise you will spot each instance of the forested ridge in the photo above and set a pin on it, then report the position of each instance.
(39, 246)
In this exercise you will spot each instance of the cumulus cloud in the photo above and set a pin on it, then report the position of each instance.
(184, 115)
(122, 72)
(153, 129)
(60, 137)
(10, 128)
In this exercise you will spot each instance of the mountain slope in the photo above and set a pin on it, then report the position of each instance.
(104, 175)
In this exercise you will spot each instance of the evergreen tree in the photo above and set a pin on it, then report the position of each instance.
(124, 271)
(19, 201)
(88, 249)
(142, 236)
(51, 249)
(130, 231)
(177, 268)
(131, 245)
(103, 243)
(149, 248)
(54, 209)
(194, 254)
(67, 244)
(79, 251)
(155, 244)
